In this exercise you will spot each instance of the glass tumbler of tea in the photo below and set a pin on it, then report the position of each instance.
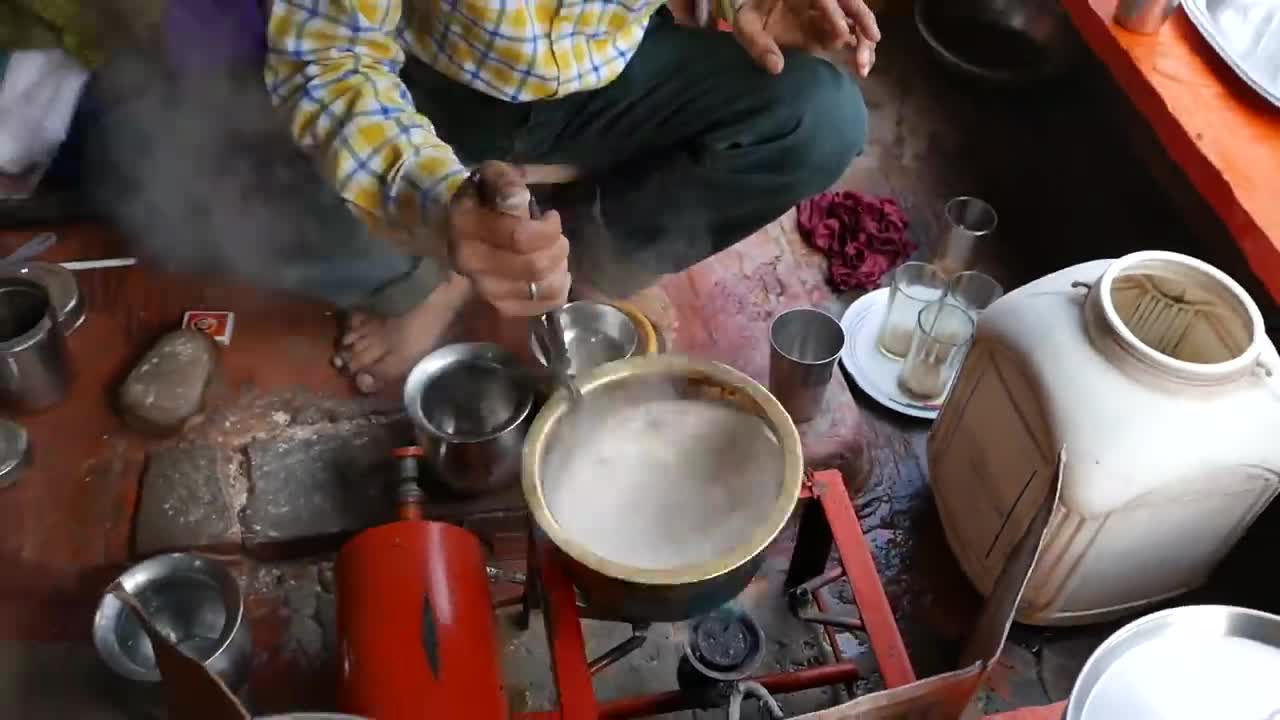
(913, 286)
(942, 336)
(974, 291)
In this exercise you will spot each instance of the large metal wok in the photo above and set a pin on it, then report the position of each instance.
(616, 590)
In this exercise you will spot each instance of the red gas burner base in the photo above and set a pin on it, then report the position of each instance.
(829, 521)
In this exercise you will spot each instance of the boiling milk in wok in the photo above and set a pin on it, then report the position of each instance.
(665, 484)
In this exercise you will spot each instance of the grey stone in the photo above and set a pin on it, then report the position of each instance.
(185, 501)
(167, 386)
(305, 638)
(324, 481)
(327, 616)
(325, 576)
(301, 600)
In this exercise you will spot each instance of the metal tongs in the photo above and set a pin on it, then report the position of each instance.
(550, 337)
(516, 200)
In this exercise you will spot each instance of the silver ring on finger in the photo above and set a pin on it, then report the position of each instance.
(533, 291)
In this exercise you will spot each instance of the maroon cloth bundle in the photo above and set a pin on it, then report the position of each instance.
(863, 237)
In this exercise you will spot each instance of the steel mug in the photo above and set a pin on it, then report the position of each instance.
(34, 374)
(804, 345)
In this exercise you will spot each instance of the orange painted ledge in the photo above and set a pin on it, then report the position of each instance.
(1221, 132)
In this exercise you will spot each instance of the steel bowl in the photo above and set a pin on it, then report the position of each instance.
(594, 334)
(620, 591)
(1005, 43)
(193, 600)
(1186, 659)
(470, 410)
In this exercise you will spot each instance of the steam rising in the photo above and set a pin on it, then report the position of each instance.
(641, 195)
(202, 175)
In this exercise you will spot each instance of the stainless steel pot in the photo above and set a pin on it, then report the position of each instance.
(195, 601)
(470, 409)
(619, 591)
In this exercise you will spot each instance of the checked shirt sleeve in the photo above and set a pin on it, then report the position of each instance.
(725, 10)
(334, 66)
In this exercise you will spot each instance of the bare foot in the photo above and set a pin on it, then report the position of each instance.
(376, 351)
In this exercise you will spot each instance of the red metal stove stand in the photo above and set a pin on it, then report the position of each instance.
(829, 521)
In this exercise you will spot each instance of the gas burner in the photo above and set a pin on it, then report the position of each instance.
(725, 644)
(723, 648)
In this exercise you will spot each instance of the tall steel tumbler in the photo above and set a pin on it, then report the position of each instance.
(804, 345)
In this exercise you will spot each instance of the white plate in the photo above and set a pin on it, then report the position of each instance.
(875, 372)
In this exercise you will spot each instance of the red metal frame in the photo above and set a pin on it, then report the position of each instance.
(675, 701)
(860, 567)
(564, 631)
(568, 650)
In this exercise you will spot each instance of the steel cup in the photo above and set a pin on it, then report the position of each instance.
(804, 345)
(34, 374)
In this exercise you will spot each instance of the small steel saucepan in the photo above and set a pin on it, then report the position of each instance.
(470, 408)
(617, 590)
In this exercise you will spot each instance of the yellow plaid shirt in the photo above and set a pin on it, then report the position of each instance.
(334, 65)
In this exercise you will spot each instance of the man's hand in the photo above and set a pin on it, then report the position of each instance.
(519, 265)
(764, 27)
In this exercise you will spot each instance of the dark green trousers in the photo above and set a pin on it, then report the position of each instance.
(690, 150)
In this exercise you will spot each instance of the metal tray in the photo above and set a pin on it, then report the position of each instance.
(1246, 33)
(1184, 662)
